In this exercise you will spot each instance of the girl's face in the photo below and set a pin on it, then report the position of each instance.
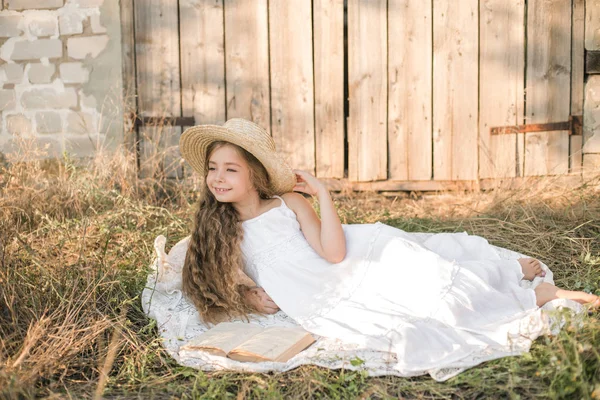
(228, 176)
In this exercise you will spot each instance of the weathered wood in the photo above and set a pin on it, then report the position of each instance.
(591, 165)
(292, 95)
(501, 84)
(247, 61)
(385, 186)
(328, 22)
(128, 68)
(202, 62)
(409, 88)
(577, 80)
(455, 71)
(367, 81)
(548, 84)
(592, 25)
(157, 57)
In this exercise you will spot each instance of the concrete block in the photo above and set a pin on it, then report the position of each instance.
(88, 101)
(80, 123)
(13, 73)
(44, 26)
(40, 73)
(48, 122)
(74, 72)
(71, 23)
(591, 115)
(87, 3)
(80, 47)
(18, 124)
(7, 99)
(83, 146)
(34, 4)
(9, 25)
(49, 98)
(26, 50)
(36, 147)
(96, 25)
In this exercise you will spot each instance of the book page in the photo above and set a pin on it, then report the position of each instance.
(224, 336)
(273, 343)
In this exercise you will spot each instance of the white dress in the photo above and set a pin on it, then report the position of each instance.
(400, 303)
(432, 302)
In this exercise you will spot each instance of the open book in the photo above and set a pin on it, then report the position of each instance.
(251, 342)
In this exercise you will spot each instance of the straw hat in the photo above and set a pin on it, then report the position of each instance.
(249, 136)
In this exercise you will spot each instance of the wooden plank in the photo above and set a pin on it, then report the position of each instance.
(409, 88)
(128, 68)
(159, 95)
(367, 81)
(592, 25)
(455, 70)
(328, 35)
(202, 62)
(548, 84)
(247, 61)
(292, 89)
(577, 80)
(501, 84)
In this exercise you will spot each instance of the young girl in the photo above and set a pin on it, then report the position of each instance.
(258, 247)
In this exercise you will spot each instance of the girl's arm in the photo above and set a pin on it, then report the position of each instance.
(326, 235)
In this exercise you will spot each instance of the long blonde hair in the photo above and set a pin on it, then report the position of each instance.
(214, 258)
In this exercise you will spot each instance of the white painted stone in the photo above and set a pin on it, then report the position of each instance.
(7, 99)
(18, 124)
(96, 25)
(592, 24)
(12, 73)
(74, 72)
(9, 25)
(43, 25)
(591, 115)
(80, 122)
(591, 164)
(88, 101)
(36, 147)
(41, 48)
(83, 146)
(71, 23)
(40, 73)
(49, 98)
(80, 47)
(86, 3)
(33, 4)
(48, 122)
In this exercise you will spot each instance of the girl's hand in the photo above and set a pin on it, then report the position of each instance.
(261, 301)
(307, 183)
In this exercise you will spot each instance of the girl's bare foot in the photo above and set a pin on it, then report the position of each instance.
(531, 268)
(545, 292)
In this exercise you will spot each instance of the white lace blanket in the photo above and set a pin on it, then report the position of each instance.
(178, 322)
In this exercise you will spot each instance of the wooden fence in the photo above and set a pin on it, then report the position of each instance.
(403, 91)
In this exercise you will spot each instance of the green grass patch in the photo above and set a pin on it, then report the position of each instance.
(76, 244)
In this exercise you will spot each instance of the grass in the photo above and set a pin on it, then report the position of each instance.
(76, 243)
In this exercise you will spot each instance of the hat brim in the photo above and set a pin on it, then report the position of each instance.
(194, 143)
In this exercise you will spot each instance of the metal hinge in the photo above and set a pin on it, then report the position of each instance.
(574, 125)
(163, 121)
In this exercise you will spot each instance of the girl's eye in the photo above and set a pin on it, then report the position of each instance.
(211, 168)
(231, 170)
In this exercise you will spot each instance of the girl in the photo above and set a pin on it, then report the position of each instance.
(444, 300)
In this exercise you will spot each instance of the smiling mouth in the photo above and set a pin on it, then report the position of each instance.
(221, 191)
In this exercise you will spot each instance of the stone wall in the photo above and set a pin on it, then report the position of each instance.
(591, 108)
(60, 75)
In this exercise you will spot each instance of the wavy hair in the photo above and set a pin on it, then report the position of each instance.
(213, 260)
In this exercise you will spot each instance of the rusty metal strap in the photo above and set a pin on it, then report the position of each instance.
(573, 125)
(163, 121)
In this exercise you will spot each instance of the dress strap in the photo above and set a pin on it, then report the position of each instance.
(282, 201)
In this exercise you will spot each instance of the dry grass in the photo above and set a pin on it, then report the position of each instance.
(75, 245)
